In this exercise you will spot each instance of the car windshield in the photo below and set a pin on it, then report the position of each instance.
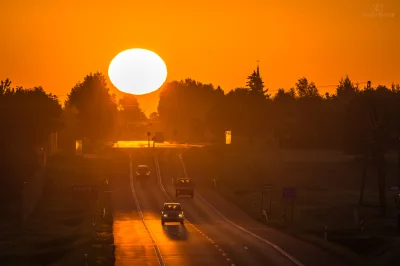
(143, 169)
(172, 207)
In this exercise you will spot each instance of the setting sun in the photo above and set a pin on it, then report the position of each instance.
(137, 71)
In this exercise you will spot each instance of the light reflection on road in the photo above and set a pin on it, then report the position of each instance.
(144, 144)
(132, 242)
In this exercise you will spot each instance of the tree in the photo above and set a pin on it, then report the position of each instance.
(284, 108)
(346, 90)
(256, 84)
(154, 116)
(27, 117)
(97, 107)
(306, 90)
(130, 110)
(184, 105)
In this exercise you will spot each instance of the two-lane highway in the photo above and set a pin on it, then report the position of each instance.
(140, 238)
(216, 232)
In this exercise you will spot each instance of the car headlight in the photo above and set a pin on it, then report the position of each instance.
(180, 215)
(165, 215)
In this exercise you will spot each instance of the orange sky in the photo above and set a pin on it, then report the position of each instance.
(56, 43)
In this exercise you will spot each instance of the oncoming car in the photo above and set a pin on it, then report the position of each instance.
(172, 212)
(142, 171)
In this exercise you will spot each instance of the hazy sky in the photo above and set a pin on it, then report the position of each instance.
(56, 43)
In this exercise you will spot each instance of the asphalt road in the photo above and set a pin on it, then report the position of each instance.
(140, 238)
(207, 238)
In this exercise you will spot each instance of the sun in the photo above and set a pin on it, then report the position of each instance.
(137, 71)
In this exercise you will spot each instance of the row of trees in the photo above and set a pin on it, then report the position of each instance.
(298, 118)
(28, 116)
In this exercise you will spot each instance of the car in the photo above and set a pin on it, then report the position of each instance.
(184, 187)
(143, 171)
(172, 212)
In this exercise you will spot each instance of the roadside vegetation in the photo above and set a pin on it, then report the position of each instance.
(327, 187)
(66, 224)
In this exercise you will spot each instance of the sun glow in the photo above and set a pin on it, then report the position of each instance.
(137, 71)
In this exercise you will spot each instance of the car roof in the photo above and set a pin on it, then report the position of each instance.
(142, 165)
(172, 203)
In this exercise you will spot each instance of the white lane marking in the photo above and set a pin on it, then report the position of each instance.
(284, 253)
(160, 184)
(158, 253)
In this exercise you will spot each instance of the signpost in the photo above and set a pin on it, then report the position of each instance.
(148, 139)
(288, 193)
(267, 188)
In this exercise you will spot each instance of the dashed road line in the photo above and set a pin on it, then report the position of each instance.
(160, 184)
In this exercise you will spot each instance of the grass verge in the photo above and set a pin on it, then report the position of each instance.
(66, 225)
(327, 192)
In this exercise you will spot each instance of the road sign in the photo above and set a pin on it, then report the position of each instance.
(289, 192)
(228, 137)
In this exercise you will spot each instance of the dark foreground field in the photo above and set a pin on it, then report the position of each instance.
(65, 225)
(327, 185)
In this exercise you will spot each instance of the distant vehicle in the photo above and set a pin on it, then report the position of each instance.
(184, 187)
(172, 212)
(143, 172)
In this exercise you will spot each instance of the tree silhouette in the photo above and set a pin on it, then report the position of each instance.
(183, 106)
(256, 84)
(130, 110)
(306, 90)
(154, 116)
(97, 107)
(27, 117)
